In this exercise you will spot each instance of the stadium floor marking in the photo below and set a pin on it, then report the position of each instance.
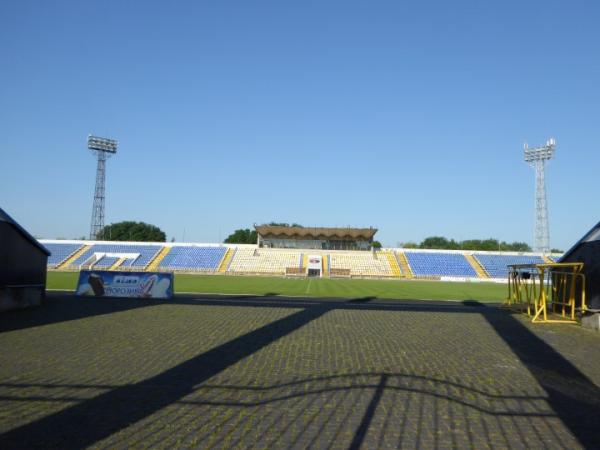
(308, 287)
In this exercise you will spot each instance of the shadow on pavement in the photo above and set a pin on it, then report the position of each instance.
(573, 397)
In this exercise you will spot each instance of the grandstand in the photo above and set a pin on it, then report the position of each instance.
(437, 264)
(193, 258)
(60, 252)
(496, 265)
(321, 238)
(74, 255)
(264, 261)
(133, 256)
(371, 264)
(232, 259)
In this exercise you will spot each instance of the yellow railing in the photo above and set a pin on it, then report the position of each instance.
(477, 267)
(406, 270)
(544, 289)
(71, 259)
(158, 259)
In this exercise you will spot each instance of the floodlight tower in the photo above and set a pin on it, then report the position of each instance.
(537, 157)
(103, 149)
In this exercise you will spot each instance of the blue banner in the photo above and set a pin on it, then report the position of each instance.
(102, 283)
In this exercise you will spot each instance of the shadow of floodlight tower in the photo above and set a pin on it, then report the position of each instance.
(103, 148)
(537, 157)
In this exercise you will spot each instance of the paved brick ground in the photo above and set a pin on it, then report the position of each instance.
(276, 373)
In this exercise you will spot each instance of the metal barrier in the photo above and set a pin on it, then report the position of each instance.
(535, 287)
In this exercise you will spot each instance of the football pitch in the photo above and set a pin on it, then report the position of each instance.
(318, 287)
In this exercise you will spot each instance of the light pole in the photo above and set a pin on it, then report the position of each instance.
(103, 149)
(537, 157)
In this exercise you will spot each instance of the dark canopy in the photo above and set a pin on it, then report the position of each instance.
(587, 251)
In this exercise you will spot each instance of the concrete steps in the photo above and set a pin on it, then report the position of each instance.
(153, 265)
(394, 264)
(404, 265)
(325, 268)
(227, 257)
(116, 265)
(477, 267)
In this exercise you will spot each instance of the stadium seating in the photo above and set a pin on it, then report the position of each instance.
(431, 264)
(495, 264)
(250, 260)
(59, 252)
(146, 252)
(193, 258)
(361, 264)
(105, 262)
(197, 258)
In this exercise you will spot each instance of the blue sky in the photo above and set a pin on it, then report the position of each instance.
(406, 116)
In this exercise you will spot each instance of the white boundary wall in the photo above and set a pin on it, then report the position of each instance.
(314, 251)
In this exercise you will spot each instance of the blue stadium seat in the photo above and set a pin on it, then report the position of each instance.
(440, 264)
(193, 258)
(59, 252)
(146, 252)
(105, 262)
(495, 265)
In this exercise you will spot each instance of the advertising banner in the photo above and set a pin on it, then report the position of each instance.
(102, 283)
(314, 262)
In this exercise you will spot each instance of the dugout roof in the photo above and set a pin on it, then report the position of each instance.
(316, 232)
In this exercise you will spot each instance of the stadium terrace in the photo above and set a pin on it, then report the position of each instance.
(240, 259)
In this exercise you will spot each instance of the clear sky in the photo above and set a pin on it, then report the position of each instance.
(406, 116)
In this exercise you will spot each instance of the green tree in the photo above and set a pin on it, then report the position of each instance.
(481, 244)
(556, 250)
(132, 231)
(515, 247)
(434, 242)
(409, 245)
(491, 245)
(242, 236)
(376, 244)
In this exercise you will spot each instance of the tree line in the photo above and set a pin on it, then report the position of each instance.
(442, 243)
(143, 232)
(131, 231)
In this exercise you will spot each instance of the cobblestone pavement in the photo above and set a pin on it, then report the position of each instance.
(293, 373)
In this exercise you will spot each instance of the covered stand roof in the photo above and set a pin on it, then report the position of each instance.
(4, 217)
(314, 232)
(587, 251)
(590, 236)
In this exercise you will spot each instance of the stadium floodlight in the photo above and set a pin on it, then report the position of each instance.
(103, 148)
(537, 157)
(102, 144)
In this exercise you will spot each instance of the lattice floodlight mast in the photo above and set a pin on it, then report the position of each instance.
(103, 149)
(537, 157)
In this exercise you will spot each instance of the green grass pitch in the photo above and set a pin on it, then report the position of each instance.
(318, 287)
